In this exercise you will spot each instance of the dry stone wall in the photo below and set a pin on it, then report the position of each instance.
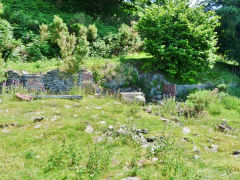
(53, 81)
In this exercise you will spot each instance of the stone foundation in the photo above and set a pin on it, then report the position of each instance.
(53, 81)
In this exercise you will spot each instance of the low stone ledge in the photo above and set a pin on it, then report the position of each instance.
(133, 97)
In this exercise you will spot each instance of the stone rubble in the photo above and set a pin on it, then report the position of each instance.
(224, 127)
(38, 119)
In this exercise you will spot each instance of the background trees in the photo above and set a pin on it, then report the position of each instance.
(229, 31)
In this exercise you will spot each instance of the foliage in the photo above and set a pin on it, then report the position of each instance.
(228, 32)
(123, 74)
(56, 29)
(91, 33)
(39, 49)
(2, 73)
(7, 42)
(72, 48)
(181, 38)
(201, 101)
(127, 40)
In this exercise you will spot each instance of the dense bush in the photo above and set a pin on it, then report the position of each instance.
(181, 38)
(72, 48)
(201, 101)
(8, 44)
(91, 33)
(124, 75)
(127, 40)
(2, 78)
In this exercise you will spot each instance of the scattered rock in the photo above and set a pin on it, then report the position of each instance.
(110, 127)
(236, 153)
(102, 122)
(67, 107)
(148, 110)
(141, 99)
(195, 148)
(38, 119)
(75, 115)
(14, 124)
(235, 137)
(165, 120)
(131, 178)
(5, 131)
(186, 130)
(98, 108)
(176, 119)
(37, 126)
(24, 72)
(224, 127)
(196, 156)
(55, 118)
(151, 139)
(24, 97)
(89, 129)
(212, 148)
(143, 131)
(98, 96)
(145, 145)
(133, 97)
(154, 159)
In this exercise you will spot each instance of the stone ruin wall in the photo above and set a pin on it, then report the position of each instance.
(53, 81)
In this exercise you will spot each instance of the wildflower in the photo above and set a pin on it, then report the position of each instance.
(5, 83)
(13, 81)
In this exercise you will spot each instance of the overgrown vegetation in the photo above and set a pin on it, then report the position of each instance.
(100, 137)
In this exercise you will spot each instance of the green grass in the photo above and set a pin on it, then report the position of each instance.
(62, 150)
(34, 67)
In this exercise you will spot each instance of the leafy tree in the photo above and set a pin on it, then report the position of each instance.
(181, 38)
(7, 42)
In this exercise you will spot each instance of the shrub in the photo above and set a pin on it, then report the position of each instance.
(222, 87)
(44, 32)
(125, 41)
(72, 48)
(181, 38)
(100, 49)
(79, 29)
(92, 33)
(39, 49)
(119, 74)
(231, 102)
(200, 101)
(129, 40)
(56, 28)
(2, 73)
(7, 42)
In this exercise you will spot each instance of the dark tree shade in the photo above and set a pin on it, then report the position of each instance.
(229, 31)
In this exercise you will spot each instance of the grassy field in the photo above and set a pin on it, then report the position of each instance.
(59, 148)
